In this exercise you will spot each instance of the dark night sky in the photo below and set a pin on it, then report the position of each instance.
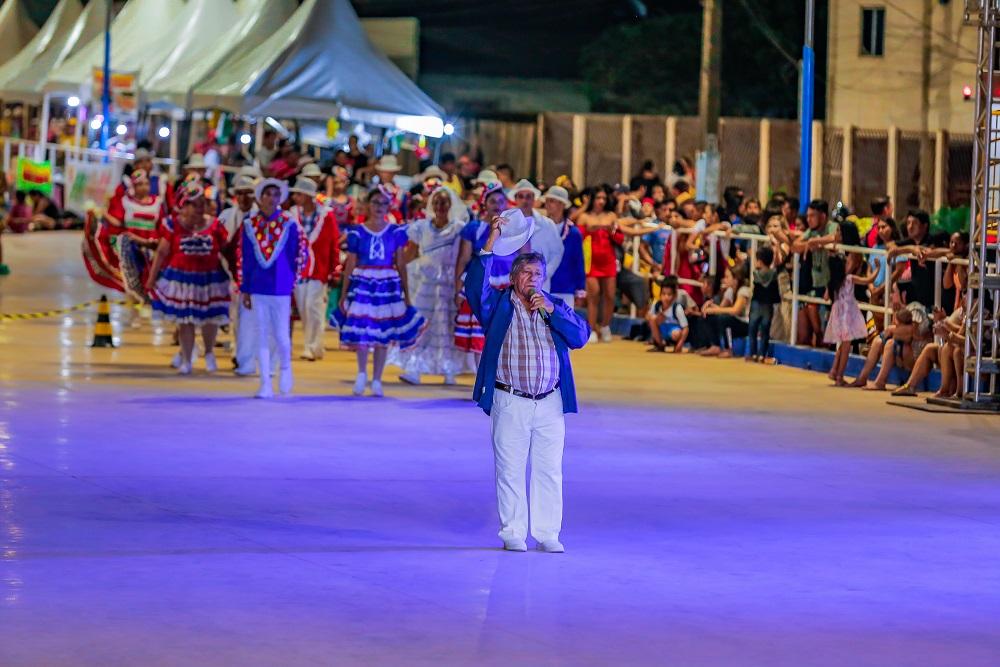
(530, 38)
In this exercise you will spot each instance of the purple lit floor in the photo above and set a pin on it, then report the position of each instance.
(716, 514)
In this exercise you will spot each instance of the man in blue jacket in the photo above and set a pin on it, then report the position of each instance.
(525, 384)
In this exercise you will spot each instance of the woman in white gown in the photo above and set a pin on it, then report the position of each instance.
(434, 248)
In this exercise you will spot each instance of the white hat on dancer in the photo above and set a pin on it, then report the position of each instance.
(265, 183)
(312, 170)
(487, 176)
(524, 185)
(514, 232)
(558, 194)
(242, 183)
(196, 161)
(388, 163)
(305, 186)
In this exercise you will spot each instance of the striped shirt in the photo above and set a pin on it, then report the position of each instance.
(528, 360)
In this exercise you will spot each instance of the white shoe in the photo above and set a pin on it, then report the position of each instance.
(265, 392)
(410, 378)
(176, 361)
(360, 383)
(550, 547)
(605, 334)
(593, 337)
(449, 380)
(377, 389)
(515, 544)
(184, 369)
(194, 354)
(285, 381)
(308, 356)
(211, 365)
(240, 372)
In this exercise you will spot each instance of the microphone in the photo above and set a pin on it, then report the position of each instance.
(541, 311)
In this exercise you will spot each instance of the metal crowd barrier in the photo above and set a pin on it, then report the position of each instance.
(798, 299)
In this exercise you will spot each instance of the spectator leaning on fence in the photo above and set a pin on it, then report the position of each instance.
(820, 233)
(918, 283)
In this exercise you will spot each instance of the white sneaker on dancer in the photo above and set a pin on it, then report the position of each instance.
(605, 334)
(184, 369)
(285, 381)
(360, 383)
(593, 337)
(550, 546)
(377, 389)
(515, 544)
(176, 361)
(265, 392)
(211, 365)
(410, 378)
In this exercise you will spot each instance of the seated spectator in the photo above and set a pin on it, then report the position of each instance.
(700, 334)
(667, 321)
(729, 322)
(941, 353)
(45, 214)
(900, 344)
(18, 218)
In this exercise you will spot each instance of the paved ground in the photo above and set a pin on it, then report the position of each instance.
(716, 514)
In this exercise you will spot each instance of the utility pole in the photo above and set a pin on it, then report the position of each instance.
(926, 189)
(708, 101)
(807, 83)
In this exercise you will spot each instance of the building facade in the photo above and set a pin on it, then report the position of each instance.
(876, 69)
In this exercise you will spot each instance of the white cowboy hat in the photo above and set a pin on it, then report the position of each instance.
(305, 186)
(311, 170)
(558, 194)
(196, 161)
(514, 233)
(487, 176)
(242, 183)
(250, 170)
(388, 163)
(431, 172)
(524, 185)
(142, 154)
(269, 182)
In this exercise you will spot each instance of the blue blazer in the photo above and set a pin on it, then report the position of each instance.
(494, 310)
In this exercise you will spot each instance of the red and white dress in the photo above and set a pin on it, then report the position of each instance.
(193, 288)
(142, 218)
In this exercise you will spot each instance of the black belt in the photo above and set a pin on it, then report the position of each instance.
(517, 392)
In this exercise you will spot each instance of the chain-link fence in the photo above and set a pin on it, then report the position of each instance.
(557, 146)
(833, 164)
(869, 169)
(784, 158)
(688, 139)
(603, 150)
(649, 141)
(907, 194)
(739, 154)
(959, 176)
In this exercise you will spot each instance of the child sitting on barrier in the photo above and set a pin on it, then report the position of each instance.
(667, 321)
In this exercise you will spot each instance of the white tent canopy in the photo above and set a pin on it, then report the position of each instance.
(177, 75)
(187, 39)
(130, 38)
(66, 31)
(16, 29)
(320, 64)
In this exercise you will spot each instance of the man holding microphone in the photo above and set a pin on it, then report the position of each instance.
(525, 384)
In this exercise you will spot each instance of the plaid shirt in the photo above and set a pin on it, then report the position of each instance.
(528, 359)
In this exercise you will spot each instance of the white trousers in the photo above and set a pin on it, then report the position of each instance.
(273, 323)
(311, 297)
(523, 428)
(568, 299)
(245, 331)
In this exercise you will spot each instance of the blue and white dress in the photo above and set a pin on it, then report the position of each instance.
(377, 315)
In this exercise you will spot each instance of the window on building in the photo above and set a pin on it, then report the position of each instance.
(872, 31)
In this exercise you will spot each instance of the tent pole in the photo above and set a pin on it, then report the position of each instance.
(174, 132)
(43, 127)
(259, 140)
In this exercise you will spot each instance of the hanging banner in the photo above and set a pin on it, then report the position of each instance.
(124, 90)
(33, 175)
(89, 185)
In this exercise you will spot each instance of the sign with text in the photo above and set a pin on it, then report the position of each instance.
(124, 90)
(90, 184)
(33, 175)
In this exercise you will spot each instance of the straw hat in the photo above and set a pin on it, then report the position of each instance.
(268, 182)
(487, 176)
(305, 186)
(431, 172)
(311, 170)
(196, 161)
(388, 163)
(242, 183)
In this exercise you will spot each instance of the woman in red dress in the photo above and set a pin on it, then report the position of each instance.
(599, 224)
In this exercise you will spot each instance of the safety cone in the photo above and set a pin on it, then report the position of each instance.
(103, 335)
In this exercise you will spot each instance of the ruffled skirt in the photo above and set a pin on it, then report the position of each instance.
(192, 297)
(377, 315)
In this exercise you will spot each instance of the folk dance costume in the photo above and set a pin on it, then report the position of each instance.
(377, 315)
(468, 332)
(434, 299)
(321, 231)
(193, 288)
(142, 218)
(274, 255)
